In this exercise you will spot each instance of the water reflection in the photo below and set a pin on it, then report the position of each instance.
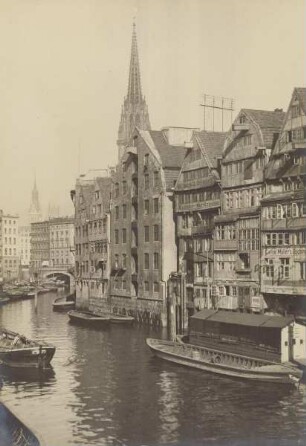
(106, 388)
(169, 406)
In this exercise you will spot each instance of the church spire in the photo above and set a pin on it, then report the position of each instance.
(134, 111)
(34, 211)
(134, 89)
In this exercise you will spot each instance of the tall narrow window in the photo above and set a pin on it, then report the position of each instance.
(156, 233)
(146, 233)
(146, 207)
(156, 206)
(156, 260)
(146, 261)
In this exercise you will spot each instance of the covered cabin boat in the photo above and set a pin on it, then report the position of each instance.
(274, 338)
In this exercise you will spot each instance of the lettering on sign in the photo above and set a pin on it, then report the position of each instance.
(286, 251)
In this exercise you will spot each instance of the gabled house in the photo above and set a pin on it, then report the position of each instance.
(283, 214)
(247, 149)
(142, 224)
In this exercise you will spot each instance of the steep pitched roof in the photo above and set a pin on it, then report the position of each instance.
(212, 143)
(301, 92)
(270, 123)
(171, 156)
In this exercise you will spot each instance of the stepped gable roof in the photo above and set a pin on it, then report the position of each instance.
(250, 320)
(171, 156)
(212, 143)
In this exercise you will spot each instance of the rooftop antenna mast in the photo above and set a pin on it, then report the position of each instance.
(217, 103)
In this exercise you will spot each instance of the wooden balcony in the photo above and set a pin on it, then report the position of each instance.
(223, 245)
(199, 205)
(181, 232)
(134, 277)
(201, 229)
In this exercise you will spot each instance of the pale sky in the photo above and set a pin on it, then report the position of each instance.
(64, 72)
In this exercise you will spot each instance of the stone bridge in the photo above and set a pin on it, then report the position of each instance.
(60, 274)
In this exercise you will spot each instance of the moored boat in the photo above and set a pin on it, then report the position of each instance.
(18, 351)
(14, 431)
(87, 318)
(217, 361)
(64, 303)
(121, 319)
(258, 347)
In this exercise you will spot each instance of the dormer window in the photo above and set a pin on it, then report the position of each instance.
(242, 119)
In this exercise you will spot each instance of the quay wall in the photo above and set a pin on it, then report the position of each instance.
(144, 311)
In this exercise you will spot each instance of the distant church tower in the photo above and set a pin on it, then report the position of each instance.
(35, 211)
(134, 110)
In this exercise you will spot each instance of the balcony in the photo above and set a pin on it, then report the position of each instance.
(201, 229)
(283, 223)
(134, 224)
(199, 205)
(224, 245)
(184, 231)
(134, 277)
(135, 198)
(134, 250)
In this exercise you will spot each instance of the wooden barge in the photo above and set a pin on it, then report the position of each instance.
(256, 347)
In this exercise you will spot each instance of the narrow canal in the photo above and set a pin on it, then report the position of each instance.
(105, 388)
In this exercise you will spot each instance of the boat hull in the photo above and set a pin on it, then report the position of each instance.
(87, 319)
(214, 362)
(63, 306)
(13, 431)
(121, 320)
(37, 357)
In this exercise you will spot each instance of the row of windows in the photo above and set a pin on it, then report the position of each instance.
(10, 240)
(280, 211)
(10, 251)
(155, 233)
(91, 228)
(225, 262)
(195, 197)
(97, 247)
(239, 166)
(155, 260)
(225, 232)
(282, 270)
(195, 174)
(9, 231)
(243, 198)
(10, 262)
(59, 261)
(10, 222)
(292, 184)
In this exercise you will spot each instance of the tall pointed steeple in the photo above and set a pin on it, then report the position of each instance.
(134, 111)
(35, 211)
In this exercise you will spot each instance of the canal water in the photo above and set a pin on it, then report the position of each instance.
(105, 388)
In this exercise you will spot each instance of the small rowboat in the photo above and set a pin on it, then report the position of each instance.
(121, 319)
(87, 318)
(223, 363)
(63, 303)
(18, 351)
